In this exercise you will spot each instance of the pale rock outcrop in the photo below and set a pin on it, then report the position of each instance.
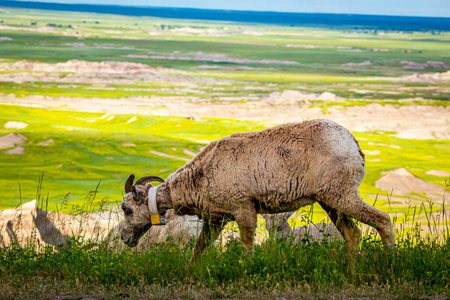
(178, 229)
(293, 96)
(15, 125)
(28, 223)
(428, 64)
(439, 173)
(18, 150)
(46, 143)
(12, 140)
(364, 63)
(402, 182)
(426, 77)
(278, 227)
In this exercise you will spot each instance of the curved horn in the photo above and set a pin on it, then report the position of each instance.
(129, 183)
(145, 179)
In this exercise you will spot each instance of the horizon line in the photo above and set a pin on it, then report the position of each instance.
(229, 10)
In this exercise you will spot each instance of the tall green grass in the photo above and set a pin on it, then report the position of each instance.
(418, 269)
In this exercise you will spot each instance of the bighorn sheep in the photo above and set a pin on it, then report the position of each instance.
(275, 170)
(278, 227)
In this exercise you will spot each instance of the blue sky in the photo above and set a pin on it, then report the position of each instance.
(427, 8)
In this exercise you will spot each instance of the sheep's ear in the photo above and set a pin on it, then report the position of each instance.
(289, 214)
(137, 196)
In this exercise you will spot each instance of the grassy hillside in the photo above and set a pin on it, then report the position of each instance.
(250, 62)
(90, 147)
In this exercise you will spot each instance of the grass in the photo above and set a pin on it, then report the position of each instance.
(276, 269)
(419, 269)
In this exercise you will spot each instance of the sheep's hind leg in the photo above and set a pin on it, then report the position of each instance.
(346, 226)
(210, 232)
(352, 205)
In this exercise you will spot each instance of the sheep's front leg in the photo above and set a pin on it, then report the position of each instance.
(246, 220)
(210, 232)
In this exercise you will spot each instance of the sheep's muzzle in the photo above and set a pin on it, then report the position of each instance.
(131, 237)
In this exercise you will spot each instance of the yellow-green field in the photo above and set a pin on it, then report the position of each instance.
(204, 62)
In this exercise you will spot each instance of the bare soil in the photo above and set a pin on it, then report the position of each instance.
(401, 182)
(12, 140)
(408, 121)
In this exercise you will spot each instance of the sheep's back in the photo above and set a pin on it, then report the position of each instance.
(277, 165)
(283, 152)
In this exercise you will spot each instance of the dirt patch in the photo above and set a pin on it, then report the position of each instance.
(267, 104)
(46, 143)
(226, 68)
(308, 46)
(212, 57)
(293, 96)
(131, 120)
(426, 77)
(384, 145)
(15, 125)
(364, 63)
(376, 152)
(412, 121)
(409, 121)
(189, 152)
(401, 182)
(94, 46)
(38, 29)
(168, 155)
(12, 140)
(105, 72)
(429, 64)
(190, 31)
(18, 150)
(438, 173)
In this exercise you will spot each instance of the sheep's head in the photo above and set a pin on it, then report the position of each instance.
(277, 224)
(134, 205)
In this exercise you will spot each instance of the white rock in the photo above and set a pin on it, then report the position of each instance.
(15, 125)
(438, 173)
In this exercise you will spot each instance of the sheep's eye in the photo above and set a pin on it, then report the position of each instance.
(126, 210)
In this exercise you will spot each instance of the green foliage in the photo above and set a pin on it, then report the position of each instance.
(418, 268)
(276, 267)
